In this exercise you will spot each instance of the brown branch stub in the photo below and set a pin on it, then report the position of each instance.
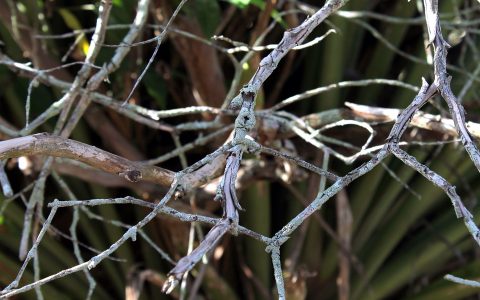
(45, 144)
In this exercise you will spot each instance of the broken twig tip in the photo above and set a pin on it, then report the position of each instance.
(170, 284)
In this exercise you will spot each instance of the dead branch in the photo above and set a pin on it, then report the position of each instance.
(45, 144)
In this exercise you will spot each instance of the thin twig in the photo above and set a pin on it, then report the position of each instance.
(4, 182)
(160, 39)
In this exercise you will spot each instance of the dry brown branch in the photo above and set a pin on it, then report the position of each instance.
(45, 144)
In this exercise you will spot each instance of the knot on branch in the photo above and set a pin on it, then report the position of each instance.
(181, 186)
(131, 175)
(132, 233)
(94, 261)
(249, 144)
(276, 242)
(236, 102)
(233, 224)
(246, 96)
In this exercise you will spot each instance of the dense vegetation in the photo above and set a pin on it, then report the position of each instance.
(391, 233)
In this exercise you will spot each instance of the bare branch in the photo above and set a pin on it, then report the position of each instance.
(44, 144)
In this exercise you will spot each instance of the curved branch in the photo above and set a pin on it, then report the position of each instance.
(45, 144)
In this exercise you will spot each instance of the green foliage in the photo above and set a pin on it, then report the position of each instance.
(242, 4)
(207, 13)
